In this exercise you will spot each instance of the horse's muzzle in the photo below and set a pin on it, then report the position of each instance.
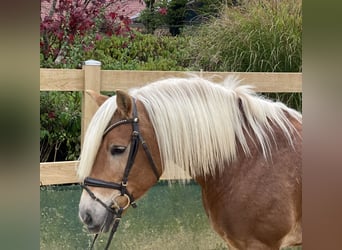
(96, 222)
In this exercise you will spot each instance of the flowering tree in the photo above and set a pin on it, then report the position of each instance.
(72, 26)
(68, 29)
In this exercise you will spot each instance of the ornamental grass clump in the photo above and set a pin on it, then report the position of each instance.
(256, 36)
(259, 36)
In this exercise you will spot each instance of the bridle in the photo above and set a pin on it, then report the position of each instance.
(114, 208)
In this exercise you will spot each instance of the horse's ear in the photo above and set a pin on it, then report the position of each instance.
(97, 97)
(124, 103)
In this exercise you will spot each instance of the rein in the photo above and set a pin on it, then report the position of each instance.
(114, 208)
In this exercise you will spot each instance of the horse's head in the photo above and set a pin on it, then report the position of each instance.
(125, 166)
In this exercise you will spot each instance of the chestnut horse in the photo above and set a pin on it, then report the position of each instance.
(242, 149)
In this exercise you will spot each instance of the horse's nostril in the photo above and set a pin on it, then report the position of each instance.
(87, 218)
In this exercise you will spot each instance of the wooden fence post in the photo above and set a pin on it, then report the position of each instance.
(92, 81)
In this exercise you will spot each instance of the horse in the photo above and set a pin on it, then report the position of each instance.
(243, 150)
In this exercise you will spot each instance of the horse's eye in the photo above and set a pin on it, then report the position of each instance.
(115, 150)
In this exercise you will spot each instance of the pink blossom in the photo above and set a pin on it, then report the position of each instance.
(163, 11)
(98, 37)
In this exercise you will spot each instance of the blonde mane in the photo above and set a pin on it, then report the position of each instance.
(93, 136)
(198, 124)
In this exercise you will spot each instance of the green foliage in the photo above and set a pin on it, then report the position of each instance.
(293, 100)
(71, 54)
(209, 8)
(258, 36)
(154, 15)
(175, 14)
(143, 52)
(60, 125)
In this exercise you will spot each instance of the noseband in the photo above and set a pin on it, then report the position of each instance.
(113, 208)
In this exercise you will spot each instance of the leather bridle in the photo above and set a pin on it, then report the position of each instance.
(114, 208)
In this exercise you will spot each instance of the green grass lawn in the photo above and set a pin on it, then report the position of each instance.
(167, 217)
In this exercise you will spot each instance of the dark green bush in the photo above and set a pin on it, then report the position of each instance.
(176, 14)
(143, 52)
(60, 125)
(154, 15)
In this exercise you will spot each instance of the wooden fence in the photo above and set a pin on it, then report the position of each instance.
(92, 77)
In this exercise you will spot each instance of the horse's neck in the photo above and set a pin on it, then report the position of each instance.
(244, 163)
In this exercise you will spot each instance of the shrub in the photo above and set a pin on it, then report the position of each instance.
(60, 125)
(142, 52)
(154, 15)
(175, 14)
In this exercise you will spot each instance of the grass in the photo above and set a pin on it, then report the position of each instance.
(168, 217)
(258, 36)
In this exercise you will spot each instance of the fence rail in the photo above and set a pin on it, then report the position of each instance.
(92, 77)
